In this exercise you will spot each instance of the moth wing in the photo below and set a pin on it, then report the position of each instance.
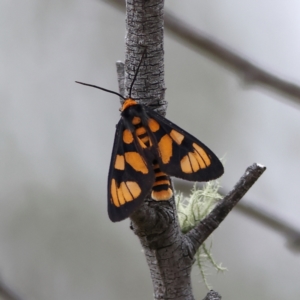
(179, 153)
(130, 175)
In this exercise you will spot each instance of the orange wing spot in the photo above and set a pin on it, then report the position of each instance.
(162, 195)
(127, 136)
(176, 136)
(165, 148)
(194, 162)
(199, 159)
(136, 120)
(185, 165)
(203, 154)
(145, 139)
(126, 192)
(128, 102)
(120, 196)
(142, 143)
(136, 161)
(120, 162)
(161, 182)
(153, 125)
(114, 193)
(140, 131)
(134, 188)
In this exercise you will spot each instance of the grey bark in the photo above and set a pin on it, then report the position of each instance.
(212, 295)
(169, 252)
(144, 28)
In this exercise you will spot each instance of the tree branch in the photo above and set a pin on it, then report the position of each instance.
(169, 253)
(144, 20)
(200, 233)
(212, 295)
(250, 72)
(272, 220)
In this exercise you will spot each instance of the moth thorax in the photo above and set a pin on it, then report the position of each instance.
(127, 103)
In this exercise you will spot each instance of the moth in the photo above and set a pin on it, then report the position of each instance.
(148, 149)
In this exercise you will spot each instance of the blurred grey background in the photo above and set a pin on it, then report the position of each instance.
(56, 241)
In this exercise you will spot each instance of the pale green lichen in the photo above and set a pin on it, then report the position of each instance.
(191, 210)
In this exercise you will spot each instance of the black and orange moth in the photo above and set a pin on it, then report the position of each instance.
(148, 149)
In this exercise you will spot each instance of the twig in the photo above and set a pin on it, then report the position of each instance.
(257, 212)
(250, 72)
(212, 295)
(201, 232)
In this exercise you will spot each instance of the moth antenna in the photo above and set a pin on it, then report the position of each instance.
(135, 75)
(100, 88)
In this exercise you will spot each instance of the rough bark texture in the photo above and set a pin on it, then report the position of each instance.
(169, 253)
(212, 295)
(155, 223)
(145, 28)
